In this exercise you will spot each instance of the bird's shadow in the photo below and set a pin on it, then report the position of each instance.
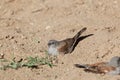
(80, 39)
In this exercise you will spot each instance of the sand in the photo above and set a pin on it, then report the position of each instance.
(26, 26)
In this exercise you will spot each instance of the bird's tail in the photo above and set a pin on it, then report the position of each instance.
(79, 33)
(76, 37)
(88, 68)
(82, 66)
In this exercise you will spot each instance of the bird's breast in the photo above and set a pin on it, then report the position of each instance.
(53, 51)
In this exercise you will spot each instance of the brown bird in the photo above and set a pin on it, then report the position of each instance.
(64, 46)
(112, 67)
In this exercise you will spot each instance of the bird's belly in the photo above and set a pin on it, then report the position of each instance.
(53, 51)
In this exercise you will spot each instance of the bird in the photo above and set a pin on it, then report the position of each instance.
(64, 46)
(112, 67)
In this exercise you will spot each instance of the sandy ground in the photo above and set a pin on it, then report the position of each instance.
(27, 25)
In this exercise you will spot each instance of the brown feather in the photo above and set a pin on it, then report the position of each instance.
(101, 67)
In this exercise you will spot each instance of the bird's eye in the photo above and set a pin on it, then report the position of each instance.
(52, 43)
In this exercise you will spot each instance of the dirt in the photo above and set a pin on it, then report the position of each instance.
(26, 26)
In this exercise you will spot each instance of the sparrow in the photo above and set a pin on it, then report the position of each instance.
(112, 67)
(64, 46)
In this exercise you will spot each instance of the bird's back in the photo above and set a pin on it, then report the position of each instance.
(65, 45)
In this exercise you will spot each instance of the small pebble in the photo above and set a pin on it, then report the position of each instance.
(1, 45)
(38, 41)
(56, 76)
(2, 56)
(47, 27)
